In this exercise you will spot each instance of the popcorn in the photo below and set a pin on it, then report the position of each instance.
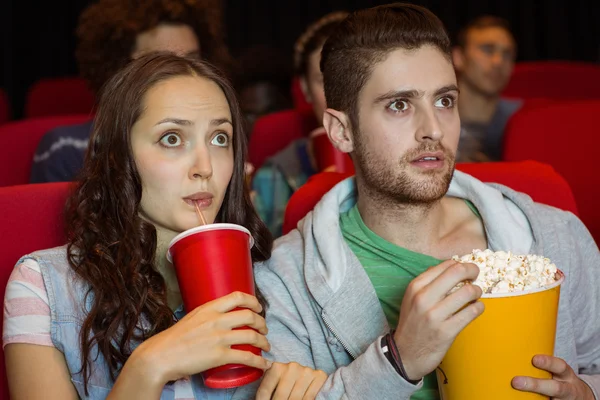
(505, 272)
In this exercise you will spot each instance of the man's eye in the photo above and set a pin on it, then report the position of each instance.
(445, 102)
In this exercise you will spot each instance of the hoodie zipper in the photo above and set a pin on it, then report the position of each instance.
(352, 354)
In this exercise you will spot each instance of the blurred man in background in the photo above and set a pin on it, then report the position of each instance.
(263, 82)
(283, 173)
(484, 57)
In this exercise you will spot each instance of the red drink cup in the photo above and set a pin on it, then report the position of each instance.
(212, 261)
(329, 158)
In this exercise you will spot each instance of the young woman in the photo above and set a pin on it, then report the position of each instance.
(101, 317)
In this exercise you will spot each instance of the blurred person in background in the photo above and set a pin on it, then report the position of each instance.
(484, 57)
(286, 171)
(112, 32)
(263, 82)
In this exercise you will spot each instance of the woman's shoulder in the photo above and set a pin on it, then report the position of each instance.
(55, 254)
(65, 290)
(53, 263)
(26, 308)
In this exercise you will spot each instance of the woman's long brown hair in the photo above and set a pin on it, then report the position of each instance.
(111, 248)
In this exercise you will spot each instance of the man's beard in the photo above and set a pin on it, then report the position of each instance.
(392, 182)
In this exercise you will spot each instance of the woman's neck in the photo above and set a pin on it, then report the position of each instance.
(166, 269)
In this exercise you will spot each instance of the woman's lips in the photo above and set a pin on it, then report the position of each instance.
(204, 203)
(202, 199)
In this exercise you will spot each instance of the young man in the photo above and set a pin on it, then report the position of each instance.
(369, 258)
(484, 58)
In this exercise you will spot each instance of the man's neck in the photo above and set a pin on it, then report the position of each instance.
(474, 106)
(441, 229)
(412, 226)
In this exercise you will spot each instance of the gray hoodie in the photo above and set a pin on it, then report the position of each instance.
(323, 311)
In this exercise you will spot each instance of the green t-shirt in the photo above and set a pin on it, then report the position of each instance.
(391, 268)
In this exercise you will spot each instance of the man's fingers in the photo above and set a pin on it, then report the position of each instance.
(558, 367)
(315, 386)
(301, 386)
(454, 302)
(546, 387)
(285, 384)
(269, 383)
(456, 323)
(430, 274)
(452, 276)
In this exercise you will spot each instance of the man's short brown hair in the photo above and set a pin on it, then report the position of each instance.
(482, 22)
(364, 39)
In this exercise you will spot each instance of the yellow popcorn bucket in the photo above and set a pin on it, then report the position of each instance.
(500, 345)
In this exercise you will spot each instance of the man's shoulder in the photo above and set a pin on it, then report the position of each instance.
(527, 204)
(77, 135)
(509, 106)
(77, 131)
(287, 255)
(548, 219)
(288, 158)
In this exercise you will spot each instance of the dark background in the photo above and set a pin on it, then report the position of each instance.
(38, 37)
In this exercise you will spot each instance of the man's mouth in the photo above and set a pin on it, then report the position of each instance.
(429, 157)
(433, 160)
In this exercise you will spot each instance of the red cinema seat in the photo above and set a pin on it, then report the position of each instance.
(59, 96)
(556, 134)
(31, 219)
(561, 80)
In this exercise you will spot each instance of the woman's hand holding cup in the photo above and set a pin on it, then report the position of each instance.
(203, 338)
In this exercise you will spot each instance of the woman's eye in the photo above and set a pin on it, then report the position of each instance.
(222, 140)
(445, 102)
(398, 106)
(171, 140)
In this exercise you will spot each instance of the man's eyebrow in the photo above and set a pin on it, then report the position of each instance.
(399, 94)
(413, 93)
(446, 89)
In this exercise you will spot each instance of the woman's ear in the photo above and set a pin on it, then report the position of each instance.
(339, 131)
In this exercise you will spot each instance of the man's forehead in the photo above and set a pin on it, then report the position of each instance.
(426, 69)
(492, 34)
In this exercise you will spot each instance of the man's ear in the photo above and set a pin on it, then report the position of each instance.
(337, 125)
(458, 58)
(305, 91)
